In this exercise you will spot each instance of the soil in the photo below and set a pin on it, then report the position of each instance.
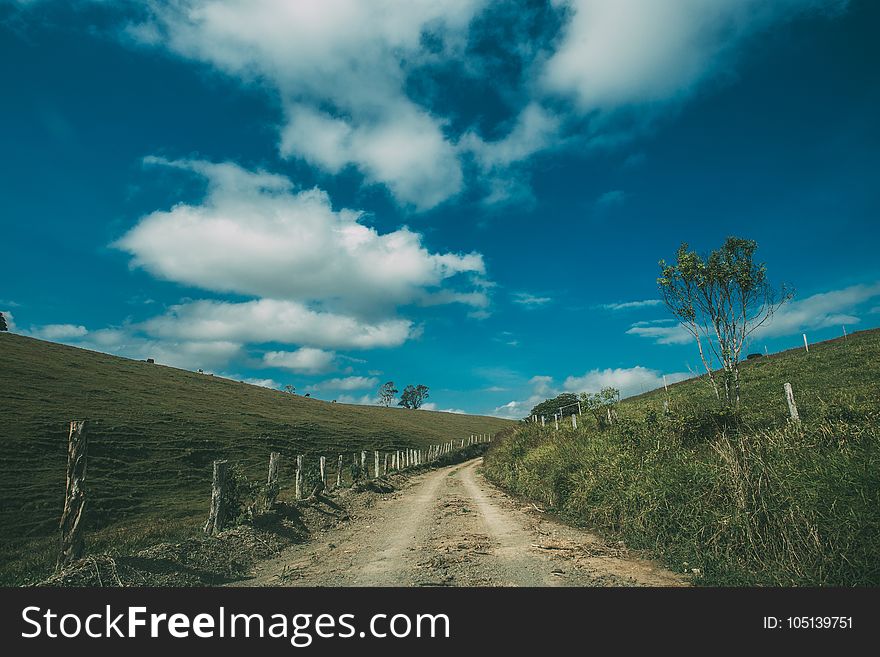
(451, 527)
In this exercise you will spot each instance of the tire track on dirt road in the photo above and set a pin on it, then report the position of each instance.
(450, 527)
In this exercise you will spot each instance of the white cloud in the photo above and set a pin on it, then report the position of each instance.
(254, 235)
(611, 198)
(662, 331)
(128, 342)
(534, 129)
(630, 305)
(305, 360)
(834, 308)
(619, 53)
(348, 56)
(263, 383)
(363, 400)
(58, 331)
(629, 380)
(529, 300)
(269, 320)
(541, 388)
(431, 406)
(347, 383)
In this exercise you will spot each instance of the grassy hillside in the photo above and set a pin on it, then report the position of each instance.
(154, 432)
(748, 498)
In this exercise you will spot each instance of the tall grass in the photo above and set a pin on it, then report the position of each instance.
(743, 500)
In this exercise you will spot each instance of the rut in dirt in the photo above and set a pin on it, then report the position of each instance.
(450, 527)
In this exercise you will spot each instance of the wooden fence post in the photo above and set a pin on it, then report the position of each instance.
(385, 465)
(323, 465)
(806, 344)
(364, 472)
(299, 477)
(339, 472)
(272, 481)
(574, 422)
(376, 464)
(72, 543)
(792, 407)
(218, 487)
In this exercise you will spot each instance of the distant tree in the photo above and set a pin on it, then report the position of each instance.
(602, 405)
(566, 404)
(289, 389)
(3, 326)
(413, 396)
(387, 392)
(720, 299)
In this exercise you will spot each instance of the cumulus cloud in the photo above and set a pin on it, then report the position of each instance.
(270, 320)
(347, 383)
(360, 400)
(623, 53)
(834, 308)
(340, 68)
(254, 235)
(344, 74)
(127, 341)
(305, 360)
(58, 331)
(629, 380)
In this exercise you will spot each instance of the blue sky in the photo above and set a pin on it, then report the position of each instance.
(465, 194)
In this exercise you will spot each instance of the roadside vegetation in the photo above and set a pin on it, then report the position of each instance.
(733, 497)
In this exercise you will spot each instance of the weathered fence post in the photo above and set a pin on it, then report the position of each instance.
(218, 487)
(272, 481)
(339, 472)
(299, 477)
(806, 344)
(556, 421)
(385, 465)
(574, 422)
(72, 543)
(792, 407)
(364, 472)
(376, 464)
(323, 465)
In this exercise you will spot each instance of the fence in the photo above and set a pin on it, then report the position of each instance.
(384, 462)
(788, 391)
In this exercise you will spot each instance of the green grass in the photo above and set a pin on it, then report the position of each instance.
(749, 500)
(153, 433)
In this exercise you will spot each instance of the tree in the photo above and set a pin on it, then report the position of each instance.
(565, 404)
(387, 392)
(602, 405)
(413, 396)
(3, 325)
(289, 389)
(720, 299)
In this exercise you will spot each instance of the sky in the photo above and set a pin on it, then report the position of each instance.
(471, 195)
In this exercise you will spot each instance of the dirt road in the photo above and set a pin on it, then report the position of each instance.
(450, 527)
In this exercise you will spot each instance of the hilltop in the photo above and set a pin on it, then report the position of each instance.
(153, 433)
